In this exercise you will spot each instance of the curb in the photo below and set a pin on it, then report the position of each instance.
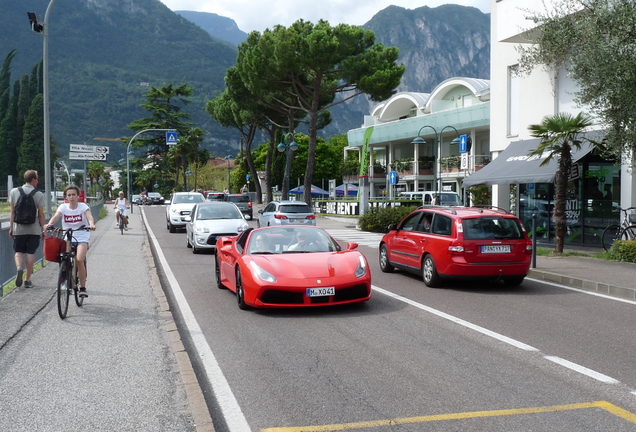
(597, 287)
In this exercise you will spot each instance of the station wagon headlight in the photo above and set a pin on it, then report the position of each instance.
(361, 270)
(262, 273)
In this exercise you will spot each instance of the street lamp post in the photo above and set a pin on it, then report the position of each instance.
(44, 29)
(129, 153)
(286, 146)
(437, 152)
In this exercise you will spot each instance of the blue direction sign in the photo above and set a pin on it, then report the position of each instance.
(393, 177)
(462, 144)
(171, 138)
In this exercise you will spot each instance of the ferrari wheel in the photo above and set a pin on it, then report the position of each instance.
(429, 272)
(240, 292)
(217, 273)
(385, 265)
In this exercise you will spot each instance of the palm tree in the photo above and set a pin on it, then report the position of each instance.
(559, 134)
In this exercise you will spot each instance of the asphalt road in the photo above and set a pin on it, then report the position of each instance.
(466, 357)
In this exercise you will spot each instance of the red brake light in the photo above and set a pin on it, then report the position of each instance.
(249, 204)
(311, 217)
(456, 248)
(280, 216)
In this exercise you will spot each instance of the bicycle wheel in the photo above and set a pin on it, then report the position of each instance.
(79, 301)
(63, 288)
(610, 235)
(629, 233)
(121, 225)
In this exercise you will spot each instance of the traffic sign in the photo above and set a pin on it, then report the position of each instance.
(89, 149)
(393, 177)
(465, 143)
(171, 138)
(87, 156)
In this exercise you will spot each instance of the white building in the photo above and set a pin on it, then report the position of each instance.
(518, 101)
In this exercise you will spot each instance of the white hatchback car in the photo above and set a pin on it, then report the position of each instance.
(211, 220)
(180, 206)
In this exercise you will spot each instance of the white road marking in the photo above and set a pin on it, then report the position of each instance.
(605, 296)
(230, 408)
(582, 369)
(568, 364)
(363, 238)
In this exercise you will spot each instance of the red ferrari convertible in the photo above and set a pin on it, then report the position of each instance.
(291, 266)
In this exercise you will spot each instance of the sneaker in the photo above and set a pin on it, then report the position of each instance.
(28, 284)
(18, 278)
(83, 293)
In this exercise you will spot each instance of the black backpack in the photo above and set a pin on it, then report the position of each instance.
(25, 210)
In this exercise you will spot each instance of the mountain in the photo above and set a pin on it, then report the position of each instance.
(219, 27)
(103, 55)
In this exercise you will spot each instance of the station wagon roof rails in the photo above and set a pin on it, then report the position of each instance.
(481, 208)
(448, 209)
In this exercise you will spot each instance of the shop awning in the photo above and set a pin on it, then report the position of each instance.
(514, 165)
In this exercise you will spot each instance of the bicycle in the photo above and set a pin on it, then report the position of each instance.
(68, 279)
(625, 231)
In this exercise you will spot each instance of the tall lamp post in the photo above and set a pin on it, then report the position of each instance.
(44, 29)
(437, 150)
(286, 146)
(129, 153)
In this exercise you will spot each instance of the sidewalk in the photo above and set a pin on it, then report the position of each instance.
(116, 363)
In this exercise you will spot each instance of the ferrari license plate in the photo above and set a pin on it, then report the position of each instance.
(495, 249)
(321, 292)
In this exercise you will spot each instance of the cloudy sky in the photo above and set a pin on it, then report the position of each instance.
(258, 15)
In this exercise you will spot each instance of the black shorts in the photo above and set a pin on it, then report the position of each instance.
(27, 243)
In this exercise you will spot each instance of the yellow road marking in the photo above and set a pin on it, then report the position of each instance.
(613, 409)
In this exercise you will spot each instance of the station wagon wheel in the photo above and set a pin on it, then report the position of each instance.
(429, 273)
(240, 292)
(217, 273)
(385, 265)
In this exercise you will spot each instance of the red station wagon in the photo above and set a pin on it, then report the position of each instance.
(458, 242)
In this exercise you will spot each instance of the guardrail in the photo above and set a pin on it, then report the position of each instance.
(7, 254)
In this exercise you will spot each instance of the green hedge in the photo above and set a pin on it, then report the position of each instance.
(378, 219)
(624, 250)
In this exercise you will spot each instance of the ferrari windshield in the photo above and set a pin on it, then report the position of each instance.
(292, 239)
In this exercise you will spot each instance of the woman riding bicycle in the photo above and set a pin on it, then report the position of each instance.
(75, 215)
(121, 209)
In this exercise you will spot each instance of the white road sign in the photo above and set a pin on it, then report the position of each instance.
(80, 148)
(87, 156)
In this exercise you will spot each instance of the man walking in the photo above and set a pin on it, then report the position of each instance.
(26, 224)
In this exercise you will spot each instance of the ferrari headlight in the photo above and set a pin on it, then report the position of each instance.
(262, 273)
(361, 270)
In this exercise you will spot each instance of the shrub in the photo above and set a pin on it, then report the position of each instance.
(624, 250)
(378, 219)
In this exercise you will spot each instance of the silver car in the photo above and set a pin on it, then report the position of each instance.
(210, 220)
(286, 213)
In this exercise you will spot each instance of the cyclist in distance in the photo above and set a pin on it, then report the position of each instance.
(75, 215)
(121, 209)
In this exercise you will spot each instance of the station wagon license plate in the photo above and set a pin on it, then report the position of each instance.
(495, 249)
(321, 292)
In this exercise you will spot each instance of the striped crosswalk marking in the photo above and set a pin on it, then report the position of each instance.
(363, 238)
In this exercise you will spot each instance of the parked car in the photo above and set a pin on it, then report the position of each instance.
(291, 266)
(214, 196)
(458, 242)
(136, 199)
(243, 202)
(181, 204)
(210, 220)
(286, 213)
(155, 198)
